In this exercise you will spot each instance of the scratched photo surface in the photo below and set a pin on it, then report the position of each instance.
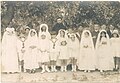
(60, 42)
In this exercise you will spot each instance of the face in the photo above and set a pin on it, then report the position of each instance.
(32, 33)
(73, 38)
(9, 32)
(43, 28)
(103, 27)
(96, 27)
(111, 27)
(33, 25)
(59, 20)
(69, 30)
(43, 36)
(80, 28)
(74, 29)
(27, 30)
(86, 34)
(53, 36)
(115, 35)
(22, 39)
(62, 33)
(103, 34)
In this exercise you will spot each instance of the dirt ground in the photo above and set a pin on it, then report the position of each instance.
(63, 77)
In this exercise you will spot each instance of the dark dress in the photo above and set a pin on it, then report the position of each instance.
(58, 26)
(95, 35)
(109, 33)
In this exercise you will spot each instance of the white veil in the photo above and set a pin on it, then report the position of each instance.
(76, 43)
(32, 30)
(43, 33)
(98, 38)
(116, 31)
(5, 36)
(42, 26)
(73, 34)
(58, 36)
(83, 39)
(44, 43)
(27, 42)
(47, 32)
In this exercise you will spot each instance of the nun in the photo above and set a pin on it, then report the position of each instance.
(115, 46)
(10, 60)
(73, 50)
(44, 45)
(44, 28)
(86, 57)
(63, 45)
(31, 52)
(105, 58)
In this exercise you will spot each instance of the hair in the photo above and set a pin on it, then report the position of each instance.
(63, 32)
(87, 33)
(42, 28)
(53, 33)
(27, 28)
(31, 32)
(59, 18)
(115, 33)
(101, 34)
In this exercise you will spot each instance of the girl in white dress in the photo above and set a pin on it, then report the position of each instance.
(73, 50)
(54, 52)
(115, 47)
(105, 58)
(44, 44)
(63, 45)
(86, 58)
(31, 52)
(44, 28)
(9, 52)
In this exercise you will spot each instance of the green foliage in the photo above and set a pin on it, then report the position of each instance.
(74, 13)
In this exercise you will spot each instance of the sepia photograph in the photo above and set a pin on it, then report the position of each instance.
(60, 41)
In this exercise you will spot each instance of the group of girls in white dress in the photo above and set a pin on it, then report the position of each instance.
(48, 51)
